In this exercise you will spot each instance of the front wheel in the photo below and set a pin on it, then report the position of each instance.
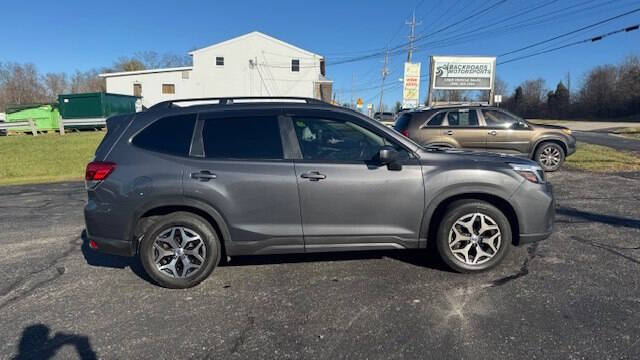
(179, 250)
(550, 156)
(473, 236)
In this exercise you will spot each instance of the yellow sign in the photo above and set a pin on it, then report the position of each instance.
(359, 103)
(411, 85)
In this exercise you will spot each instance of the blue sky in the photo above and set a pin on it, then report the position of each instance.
(70, 35)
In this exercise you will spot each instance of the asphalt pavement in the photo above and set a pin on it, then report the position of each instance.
(576, 295)
(607, 139)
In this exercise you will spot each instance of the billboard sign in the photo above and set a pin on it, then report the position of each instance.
(411, 85)
(462, 72)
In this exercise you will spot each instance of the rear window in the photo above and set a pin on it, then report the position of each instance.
(402, 123)
(436, 120)
(242, 138)
(169, 135)
(462, 118)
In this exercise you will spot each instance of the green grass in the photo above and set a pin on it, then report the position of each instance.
(26, 159)
(603, 159)
(632, 132)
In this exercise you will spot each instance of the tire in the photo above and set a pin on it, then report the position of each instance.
(492, 248)
(185, 239)
(549, 156)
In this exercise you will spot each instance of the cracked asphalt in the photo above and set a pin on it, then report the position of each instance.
(576, 295)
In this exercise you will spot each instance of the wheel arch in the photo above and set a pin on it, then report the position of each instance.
(555, 140)
(167, 206)
(435, 217)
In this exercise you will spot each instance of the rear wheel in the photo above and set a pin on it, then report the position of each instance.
(179, 250)
(473, 236)
(550, 156)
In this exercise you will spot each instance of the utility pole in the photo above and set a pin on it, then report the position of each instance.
(385, 72)
(353, 76)
(569, 84)
(412, 36)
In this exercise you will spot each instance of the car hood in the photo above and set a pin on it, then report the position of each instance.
(477, 156)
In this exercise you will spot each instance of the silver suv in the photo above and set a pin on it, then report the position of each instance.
(188, 182)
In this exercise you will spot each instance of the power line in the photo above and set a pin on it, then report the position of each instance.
(591, 39)
(571, 32)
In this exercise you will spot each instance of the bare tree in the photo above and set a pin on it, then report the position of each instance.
(55, 84)
(154, 60)
(20, 84)
(87, 81)
(500, 87)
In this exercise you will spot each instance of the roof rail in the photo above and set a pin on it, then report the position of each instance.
(236, 99)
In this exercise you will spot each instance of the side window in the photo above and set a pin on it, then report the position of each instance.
(436, 120)
(295, 65)
(242, 138)
(337, 140)
(495, 118)
(462, 118)
(169, 135)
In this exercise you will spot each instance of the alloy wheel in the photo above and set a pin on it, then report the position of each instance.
(475, 238)
(550, 157)
(179, 252)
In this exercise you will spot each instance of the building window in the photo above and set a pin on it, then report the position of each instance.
(219, 61)
(185, 75)
(168, 89)
(137, 90)
(295, 65)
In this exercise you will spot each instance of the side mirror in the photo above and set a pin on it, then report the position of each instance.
(387, 155)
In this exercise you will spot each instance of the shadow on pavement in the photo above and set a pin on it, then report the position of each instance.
(594, 217)
(37, 343)
(422, 258)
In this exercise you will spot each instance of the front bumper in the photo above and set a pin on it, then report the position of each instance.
(535, 205)
(571, 145)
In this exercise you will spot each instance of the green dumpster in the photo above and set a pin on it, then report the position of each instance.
(44, 116)
(95, 105)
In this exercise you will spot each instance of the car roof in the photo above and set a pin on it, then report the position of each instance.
(452, 106)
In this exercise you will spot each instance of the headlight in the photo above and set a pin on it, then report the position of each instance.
(533, 173)
(567, 131)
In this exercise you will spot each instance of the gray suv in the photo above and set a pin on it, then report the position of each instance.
(190, 181)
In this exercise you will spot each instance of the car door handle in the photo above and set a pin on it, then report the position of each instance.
(313, 176)
(204, 175)
(449, 132)
(493, 132)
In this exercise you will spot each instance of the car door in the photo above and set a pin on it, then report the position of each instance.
(239, 167)
(463, 129)
(348, 200)
(506, 133)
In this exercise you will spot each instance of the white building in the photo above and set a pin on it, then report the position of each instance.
(253, 64)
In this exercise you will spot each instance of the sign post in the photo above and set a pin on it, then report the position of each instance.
(411, 85)
(462, 73)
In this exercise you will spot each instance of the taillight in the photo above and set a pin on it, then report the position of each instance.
(405, 132)
(98, 170)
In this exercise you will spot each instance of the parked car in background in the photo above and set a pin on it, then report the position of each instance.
(182, 186)
(386, 118)
(489, 129)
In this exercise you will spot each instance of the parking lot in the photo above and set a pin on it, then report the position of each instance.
(576, 295)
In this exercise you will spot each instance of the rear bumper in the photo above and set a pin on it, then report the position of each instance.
(113, 246)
